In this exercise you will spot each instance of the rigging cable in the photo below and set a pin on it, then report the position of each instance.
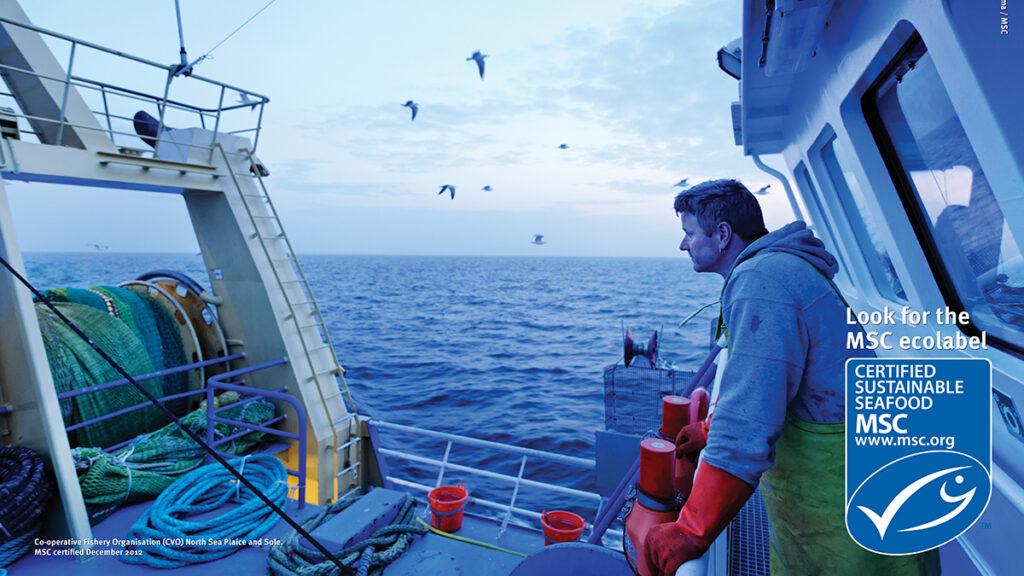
(167, 412)
(185, 68)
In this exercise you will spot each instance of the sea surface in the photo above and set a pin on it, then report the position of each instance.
(508, 349)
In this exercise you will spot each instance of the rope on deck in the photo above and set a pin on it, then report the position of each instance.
(369, 556)
(25, 490)
(204, 490)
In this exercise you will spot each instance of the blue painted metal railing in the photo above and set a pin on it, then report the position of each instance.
(219, 382)
(142, 377)
(214, 384)
(158, 374)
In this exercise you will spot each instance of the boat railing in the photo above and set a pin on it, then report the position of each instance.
(221, 382)
(444, 464)
(120, 382)
(196, 101)
(214, 385)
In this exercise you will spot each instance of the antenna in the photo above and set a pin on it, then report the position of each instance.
(183, 66)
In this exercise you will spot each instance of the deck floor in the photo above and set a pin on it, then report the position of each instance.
(430, 554)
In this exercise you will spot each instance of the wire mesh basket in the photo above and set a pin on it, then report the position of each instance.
(632, 396)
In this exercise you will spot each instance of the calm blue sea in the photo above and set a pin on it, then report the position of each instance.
(509, 349)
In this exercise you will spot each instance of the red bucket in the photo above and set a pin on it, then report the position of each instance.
(561, 526)
(446, 505)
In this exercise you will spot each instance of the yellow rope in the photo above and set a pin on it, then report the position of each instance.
(469, 541)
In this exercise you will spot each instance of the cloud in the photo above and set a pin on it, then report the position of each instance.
(640, 101)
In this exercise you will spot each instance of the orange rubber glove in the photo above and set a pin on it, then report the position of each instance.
(691, 439)
(716, 499)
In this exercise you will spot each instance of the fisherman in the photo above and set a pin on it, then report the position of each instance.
(777, 414)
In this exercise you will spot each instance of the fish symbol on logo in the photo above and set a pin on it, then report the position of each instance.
(918, 502)
(882, 521)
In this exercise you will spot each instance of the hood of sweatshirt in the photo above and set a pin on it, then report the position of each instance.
(796, 239)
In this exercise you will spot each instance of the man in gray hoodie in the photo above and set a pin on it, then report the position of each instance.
(777, 415)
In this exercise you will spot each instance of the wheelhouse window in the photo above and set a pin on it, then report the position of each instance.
(865, 228)
(808, 197)
(963, 222)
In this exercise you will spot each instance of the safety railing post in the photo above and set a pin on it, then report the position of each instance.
(515, 493)
(216, 123)
(163, 109)
(64, 98)
(106, 112)
(444, 464)
(259, 128)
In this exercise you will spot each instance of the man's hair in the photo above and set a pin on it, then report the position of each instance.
(723, 200)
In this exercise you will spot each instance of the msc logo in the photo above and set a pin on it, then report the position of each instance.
(918, 502)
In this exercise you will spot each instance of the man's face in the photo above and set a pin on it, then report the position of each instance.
(705, 251)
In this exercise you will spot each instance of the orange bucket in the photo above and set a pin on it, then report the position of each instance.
(561, 526)
(446, 506)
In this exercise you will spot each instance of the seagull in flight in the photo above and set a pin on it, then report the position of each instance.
(412, 106)
(563, 146)
(682, 183)
(448, 188)
(538, 240)
(487, 188)
(763, 190)
(243, 98)
(99, 247)
(479, 59)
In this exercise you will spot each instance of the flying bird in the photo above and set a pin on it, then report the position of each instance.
(479, 59)
(99, 247)
(448, 188)
(412, 106)
(538, 239)
(487, 188)
(763, 190)
(682, 183)
(563, 146)
(243, 98)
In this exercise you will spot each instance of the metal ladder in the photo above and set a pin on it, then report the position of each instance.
(301, 309)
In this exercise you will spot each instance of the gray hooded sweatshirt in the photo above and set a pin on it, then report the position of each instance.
(787, 335)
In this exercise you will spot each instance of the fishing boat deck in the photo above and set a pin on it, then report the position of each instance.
(428, 554)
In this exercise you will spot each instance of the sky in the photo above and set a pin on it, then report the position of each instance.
(632, 88)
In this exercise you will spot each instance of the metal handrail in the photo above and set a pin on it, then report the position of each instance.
(130, 409)
(149, 376)
(125, 55)
(482, 502)
(219, 382)
(493, 475)
(532, 452)
(106, 89)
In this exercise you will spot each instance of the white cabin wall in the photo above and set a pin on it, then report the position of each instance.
(862, 41)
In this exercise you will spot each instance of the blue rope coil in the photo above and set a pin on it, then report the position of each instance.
(25, 490)
(203, 490)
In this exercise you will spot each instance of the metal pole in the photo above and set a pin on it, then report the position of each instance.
(163, 108)
(106, 112)
(149, 376)
(181, 37)
(259, 128)
(64, 99)
(615, 503)
(216, 124)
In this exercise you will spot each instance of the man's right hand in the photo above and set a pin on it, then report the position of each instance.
(691, 440)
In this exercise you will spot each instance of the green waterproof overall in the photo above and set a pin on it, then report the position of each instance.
(804, 494)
